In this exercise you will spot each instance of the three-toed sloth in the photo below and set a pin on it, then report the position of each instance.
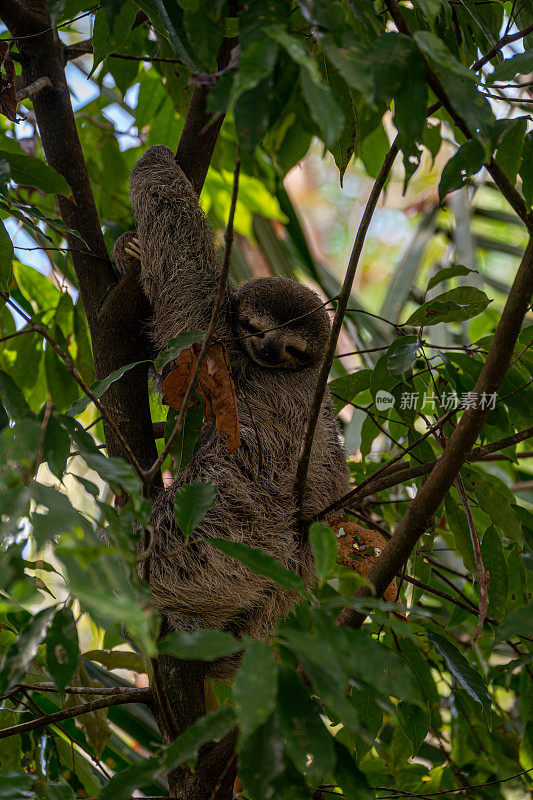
(274, 370)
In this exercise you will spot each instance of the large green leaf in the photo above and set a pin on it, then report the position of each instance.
(99, 387)
(457, 305)
(467, 676)
(260, 563)
(192, 501)
(6, 259)
(201, 645)
(309, 744)
(109, 36)
(29, 171)
(62, 649)
(255, 687)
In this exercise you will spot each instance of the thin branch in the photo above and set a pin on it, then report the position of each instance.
(386, 467)
(445, 596)
(503, 42)
(142, 695)
(48, 686)
(459, 789)
(483, 577)
(342, 305)
(221, 291)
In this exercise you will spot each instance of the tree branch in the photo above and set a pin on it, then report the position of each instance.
(406, 475)
(421, 510)
(134, 696)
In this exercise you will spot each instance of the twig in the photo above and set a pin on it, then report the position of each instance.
(368, 481)
(47, 686)
(445, 596)
(483, 576)
(228, 239)
(142, 695)
(460, 789)
(28, 91)
(342, 305)
(371, 486)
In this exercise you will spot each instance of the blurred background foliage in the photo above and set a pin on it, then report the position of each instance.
(416, 708)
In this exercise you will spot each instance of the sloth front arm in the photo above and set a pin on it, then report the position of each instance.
(180, 265)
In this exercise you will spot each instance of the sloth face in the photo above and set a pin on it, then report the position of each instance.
(280, 324)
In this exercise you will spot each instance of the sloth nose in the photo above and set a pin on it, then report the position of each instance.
(270, 350)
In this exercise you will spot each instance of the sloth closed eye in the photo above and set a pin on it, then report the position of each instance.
(298, 352)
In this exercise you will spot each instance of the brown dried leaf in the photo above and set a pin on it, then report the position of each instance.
(8, 95)
(359, 548)
(215, 384)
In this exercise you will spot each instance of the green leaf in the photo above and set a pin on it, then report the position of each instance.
(6, 259)
(201, 645)
(255, 687)
(510, 147)
(260, 563)
(520, 64)
(457, 305)
(108, 37)
(15, 663)
(308, 743)
(211, 728)
(16, 785)
(370, 716)
(172, 17)
(99, 387)
(56, 447)
(38, 290)
(497, 506)
(456, 519)
(352, 781)
(494, 563)
(526, 169)
(402, 354)
(414, 722)
(376, 665)
(117, 659)
(61, 385)
(324, 546)
(447, 273)
(62, 649)
(29, 171)
(467, 676)
(12, 397)
(192, 501)
(261, 759)
(519, 623)
(322, 107)
(180, 342)
(466, 163)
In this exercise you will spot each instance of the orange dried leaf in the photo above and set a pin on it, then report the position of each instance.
(215, 384)
(359, 548)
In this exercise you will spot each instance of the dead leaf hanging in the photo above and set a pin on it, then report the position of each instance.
(215, 385)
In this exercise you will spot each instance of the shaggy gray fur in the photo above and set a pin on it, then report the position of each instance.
(195, 585)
